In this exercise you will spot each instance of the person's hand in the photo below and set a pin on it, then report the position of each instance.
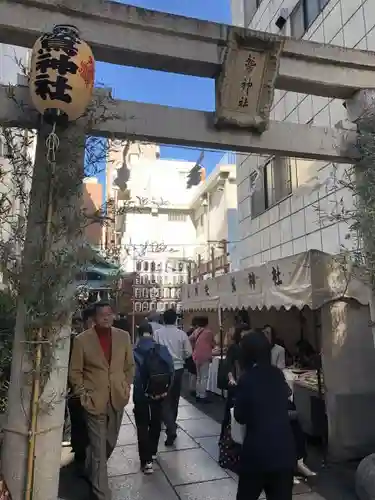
(232, 382)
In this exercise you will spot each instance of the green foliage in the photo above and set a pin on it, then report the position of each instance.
(363, 188)
(7, 325)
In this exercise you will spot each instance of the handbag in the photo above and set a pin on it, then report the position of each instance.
(237, 430)
(190, 365)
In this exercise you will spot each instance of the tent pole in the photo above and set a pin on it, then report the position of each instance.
(219, 312)
(317, 334)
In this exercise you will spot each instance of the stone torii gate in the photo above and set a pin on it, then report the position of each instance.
(246, 66)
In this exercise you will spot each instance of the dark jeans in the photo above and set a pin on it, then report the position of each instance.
(277, 485)
(148, 421)
(170, 405)
(78, 429)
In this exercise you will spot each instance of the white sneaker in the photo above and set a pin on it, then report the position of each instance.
(148, 468)
(154, 457)
(304, 470)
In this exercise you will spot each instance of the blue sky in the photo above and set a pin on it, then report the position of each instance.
(154, 87)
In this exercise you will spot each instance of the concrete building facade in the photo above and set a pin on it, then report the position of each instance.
(161, 227)
(286, 213)
(215, 216)
(92, 202)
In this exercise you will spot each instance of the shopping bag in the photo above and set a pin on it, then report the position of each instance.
(229, 451)
(222, 375)
(238, 431)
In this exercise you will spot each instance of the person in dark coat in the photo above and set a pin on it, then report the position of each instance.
(268, 456)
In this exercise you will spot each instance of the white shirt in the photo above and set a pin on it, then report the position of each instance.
(177, 343)
(278, 356)
(155, 326)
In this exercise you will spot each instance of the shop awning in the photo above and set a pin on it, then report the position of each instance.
(308, 279)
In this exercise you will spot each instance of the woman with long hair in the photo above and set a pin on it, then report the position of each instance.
(228, 450)
(233, 370)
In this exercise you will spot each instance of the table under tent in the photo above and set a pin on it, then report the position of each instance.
(321, 299)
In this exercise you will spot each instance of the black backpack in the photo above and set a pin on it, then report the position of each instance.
(157, 377)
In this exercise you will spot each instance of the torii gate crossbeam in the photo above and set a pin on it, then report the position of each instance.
(132, 36)
(162, 124)
(128, 35)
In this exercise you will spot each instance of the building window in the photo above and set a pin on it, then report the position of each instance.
(145, 266)
(153, 266)
(297, 22)
(250, 8)
(138, 265)
(275, 185)
(137, 307)
(304, 14)
(176, 217)
(145, 306)
(137, 293)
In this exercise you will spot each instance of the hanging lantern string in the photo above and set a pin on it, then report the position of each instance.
(52, 144)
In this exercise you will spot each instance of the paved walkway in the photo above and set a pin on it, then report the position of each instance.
(189, 471)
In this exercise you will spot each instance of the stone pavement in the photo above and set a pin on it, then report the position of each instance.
(189, 471)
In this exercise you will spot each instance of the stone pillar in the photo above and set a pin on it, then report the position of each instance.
(66, 185)
(362, 106)
(349, 379)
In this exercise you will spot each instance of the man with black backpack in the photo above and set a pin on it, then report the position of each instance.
(153, 378)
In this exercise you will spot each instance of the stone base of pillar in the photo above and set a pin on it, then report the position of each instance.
(365, 478)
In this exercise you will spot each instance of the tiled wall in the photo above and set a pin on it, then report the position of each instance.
(294, 225)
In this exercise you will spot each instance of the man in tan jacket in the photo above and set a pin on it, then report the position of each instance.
(101, 373)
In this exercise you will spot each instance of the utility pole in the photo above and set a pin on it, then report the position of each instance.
(33, 433)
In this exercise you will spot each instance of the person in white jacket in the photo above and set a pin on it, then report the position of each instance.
(155, 320)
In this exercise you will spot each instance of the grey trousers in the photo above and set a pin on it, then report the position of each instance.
(103, 431)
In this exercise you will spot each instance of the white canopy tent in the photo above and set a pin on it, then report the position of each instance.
(310, 279)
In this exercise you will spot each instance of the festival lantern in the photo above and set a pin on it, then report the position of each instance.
(61, 75)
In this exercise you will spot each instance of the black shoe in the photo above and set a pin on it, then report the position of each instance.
(170, 440)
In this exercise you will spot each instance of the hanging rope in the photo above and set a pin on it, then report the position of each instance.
(52, 145)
